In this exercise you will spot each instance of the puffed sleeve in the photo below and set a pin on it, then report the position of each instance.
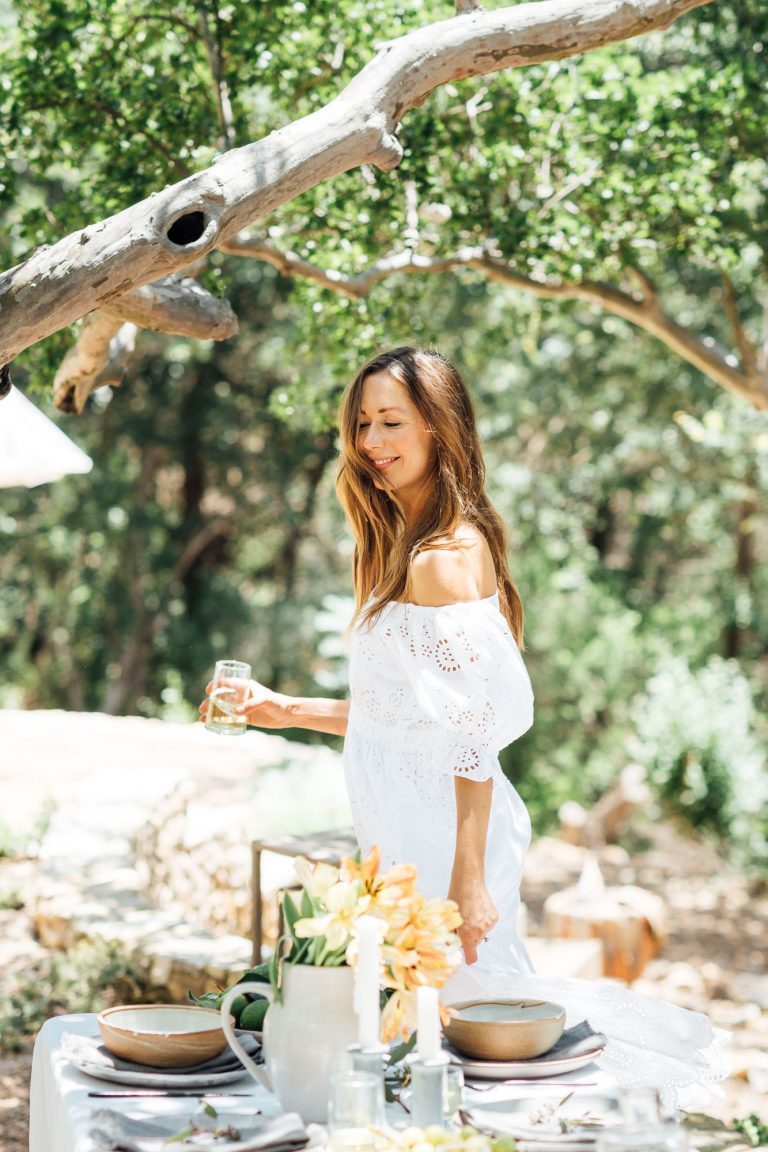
(468, 677)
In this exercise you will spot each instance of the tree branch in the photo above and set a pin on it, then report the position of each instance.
(644, 312)
(179, 307)
(747, 350)
(85, 360)
(220, 87)
(105, 343)
(100, 356)
(170, 229)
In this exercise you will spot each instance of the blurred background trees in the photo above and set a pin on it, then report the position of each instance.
(633, 484)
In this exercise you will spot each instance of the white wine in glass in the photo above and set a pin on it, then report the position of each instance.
(229, 688)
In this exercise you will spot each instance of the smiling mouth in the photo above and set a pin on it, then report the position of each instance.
(384, 462)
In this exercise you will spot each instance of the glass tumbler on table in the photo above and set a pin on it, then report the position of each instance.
(643, 1129)
(229, 688)
(355, 1107)
(453, 1098)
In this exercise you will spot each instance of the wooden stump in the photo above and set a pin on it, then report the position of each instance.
(629, 921)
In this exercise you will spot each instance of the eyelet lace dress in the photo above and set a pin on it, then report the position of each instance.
(438, 692)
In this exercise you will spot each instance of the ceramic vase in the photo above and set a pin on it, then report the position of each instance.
(307, 1034)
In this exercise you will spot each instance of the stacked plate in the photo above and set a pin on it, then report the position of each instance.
(525, 1040)
(562, 1122)
(518, 1039)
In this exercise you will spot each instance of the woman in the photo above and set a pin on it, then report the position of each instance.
(438, 687)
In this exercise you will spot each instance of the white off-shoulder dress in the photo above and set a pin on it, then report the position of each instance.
(438, 692)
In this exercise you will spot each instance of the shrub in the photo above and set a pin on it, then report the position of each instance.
(695, 733)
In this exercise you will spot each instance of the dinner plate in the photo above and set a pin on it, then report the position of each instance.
(538, 1069)
(540, 1119)
(159, 1079)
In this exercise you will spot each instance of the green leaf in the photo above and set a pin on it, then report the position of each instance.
(291, 913)
(179, 1137)
(260, 974)
(400, 1051)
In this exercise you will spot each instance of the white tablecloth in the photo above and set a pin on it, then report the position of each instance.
(60, 1106)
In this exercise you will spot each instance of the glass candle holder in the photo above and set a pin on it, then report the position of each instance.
(354, 1110)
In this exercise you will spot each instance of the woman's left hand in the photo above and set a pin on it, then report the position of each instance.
(478, 912)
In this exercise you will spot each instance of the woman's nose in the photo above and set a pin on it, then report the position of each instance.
(372, 437)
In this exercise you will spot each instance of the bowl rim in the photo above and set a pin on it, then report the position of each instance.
(106, 1017)
(525, 1001)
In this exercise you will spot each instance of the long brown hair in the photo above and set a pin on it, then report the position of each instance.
(384, 544)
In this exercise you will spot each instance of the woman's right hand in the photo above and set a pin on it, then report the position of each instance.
(262, 707)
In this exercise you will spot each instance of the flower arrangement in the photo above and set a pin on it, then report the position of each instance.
(419, 945)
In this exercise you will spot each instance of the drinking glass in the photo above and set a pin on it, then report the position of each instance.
(354, 1108)
(453, 1097)
(229, 688)
(643, 1129)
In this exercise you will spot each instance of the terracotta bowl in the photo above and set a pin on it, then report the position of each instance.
(505, 1029)
(163, 1035)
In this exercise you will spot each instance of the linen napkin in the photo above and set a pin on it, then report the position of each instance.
(568, 1120)
(113, 1132)
(576, 1041)
(90, 1050)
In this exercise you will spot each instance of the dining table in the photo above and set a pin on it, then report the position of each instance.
(62, 1103)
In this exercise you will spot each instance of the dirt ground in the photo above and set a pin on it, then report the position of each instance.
(715, 958)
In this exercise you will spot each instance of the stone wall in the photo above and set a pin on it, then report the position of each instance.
(193, 854)
(207, 882)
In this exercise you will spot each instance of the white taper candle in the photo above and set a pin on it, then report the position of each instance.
(367, 981)
(427, 1023)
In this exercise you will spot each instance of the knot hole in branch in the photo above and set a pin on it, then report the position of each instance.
(5, 381)
(187, 229)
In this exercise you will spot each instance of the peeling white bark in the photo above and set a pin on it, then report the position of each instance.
(162, 234)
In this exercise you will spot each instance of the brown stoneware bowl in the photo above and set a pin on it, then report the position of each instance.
(162, 1035)
(504, 1029)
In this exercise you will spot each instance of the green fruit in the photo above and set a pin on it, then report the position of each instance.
(237, 1006)
(252, 1016)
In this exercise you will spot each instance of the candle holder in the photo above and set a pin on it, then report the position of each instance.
(373, 1058)
(371, 1061)
(429, 1079)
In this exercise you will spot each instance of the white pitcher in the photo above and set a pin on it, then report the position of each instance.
(306, 1035)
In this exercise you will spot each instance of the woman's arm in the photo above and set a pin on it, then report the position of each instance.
(464, 572)
(473, 809)
(267, 709)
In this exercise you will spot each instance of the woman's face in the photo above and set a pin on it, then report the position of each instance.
(395, 438)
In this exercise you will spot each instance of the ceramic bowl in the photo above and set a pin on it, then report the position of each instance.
(505, 1029)
(163, 1035)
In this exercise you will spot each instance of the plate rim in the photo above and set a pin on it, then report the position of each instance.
(523, 1069)
(158, 1079)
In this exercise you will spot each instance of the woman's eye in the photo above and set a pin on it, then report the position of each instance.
(362, 427)
(391, 424)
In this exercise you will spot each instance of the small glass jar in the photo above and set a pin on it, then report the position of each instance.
(642, 1127)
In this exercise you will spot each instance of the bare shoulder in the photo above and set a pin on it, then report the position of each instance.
(459, 568)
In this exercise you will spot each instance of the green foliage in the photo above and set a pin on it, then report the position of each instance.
(635, 492)
(19, 843)
(89, 977)
(697, 735)
(754, 1129)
